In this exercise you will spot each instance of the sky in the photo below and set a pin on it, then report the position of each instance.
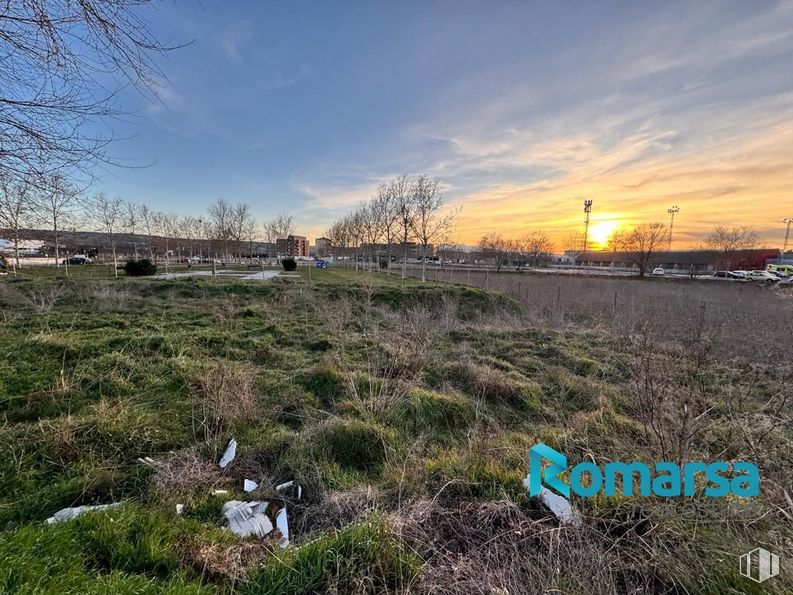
(523, 109)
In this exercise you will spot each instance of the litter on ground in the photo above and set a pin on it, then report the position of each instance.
(249, 485)
(228, 456)
(282, 523)
(559, 505)
(247, 518)
(280, 488)
(66, 514)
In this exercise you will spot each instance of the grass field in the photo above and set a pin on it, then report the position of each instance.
(406, 412)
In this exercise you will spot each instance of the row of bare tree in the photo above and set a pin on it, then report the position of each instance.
(228, 230)
(403, 211)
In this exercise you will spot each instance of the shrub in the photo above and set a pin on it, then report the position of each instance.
(289, 264)
(140, 268)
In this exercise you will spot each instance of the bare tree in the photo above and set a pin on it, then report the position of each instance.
(188, 230)
(63, 63)
(16, 210)
(166, 225)
(131, 223)
(494, 246)
(371, 223)
(537, 245)
(278, 228)
(220, 214)
(148, 219)
(108, 213)
(57, 205)
(430, 222)
(405, 206)
(731, 242)
(387, 205)
(241, 221)
(356, 232)
(642, 242)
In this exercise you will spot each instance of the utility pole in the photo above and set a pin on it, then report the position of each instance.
(787, 221)
(587, 211)
(672, 212)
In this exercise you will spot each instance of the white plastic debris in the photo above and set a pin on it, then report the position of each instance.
(559, 505)
(282, 522)
(219, 492)
(66, 514)
(249, 485)
(286, 485)
(247, 518)
(228, 456)
(179, 508)
(147, 461)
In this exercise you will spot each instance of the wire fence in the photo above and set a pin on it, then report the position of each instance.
(740, 319)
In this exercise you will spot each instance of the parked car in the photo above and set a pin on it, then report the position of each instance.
(761, 277)
(729, 274)
(658, 272)
(740, 274)
(77, 260)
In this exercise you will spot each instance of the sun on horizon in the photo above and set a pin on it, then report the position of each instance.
(600, 232)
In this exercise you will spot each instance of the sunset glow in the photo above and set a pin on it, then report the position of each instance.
(600, 232)
(653, 105)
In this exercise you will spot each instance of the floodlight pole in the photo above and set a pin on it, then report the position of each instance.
(787, 221)
(587, 211)
(672, 211)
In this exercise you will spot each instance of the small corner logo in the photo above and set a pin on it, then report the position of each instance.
(759, 565)
(665, 479)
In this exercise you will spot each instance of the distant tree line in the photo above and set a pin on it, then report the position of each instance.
(228, 230)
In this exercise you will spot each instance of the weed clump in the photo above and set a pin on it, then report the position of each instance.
(353, 444)
(327, 383)
(357, 559)
(443, 417)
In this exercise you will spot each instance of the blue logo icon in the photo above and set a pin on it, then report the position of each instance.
(587, 479)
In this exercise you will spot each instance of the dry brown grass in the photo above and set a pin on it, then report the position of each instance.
(225, 395)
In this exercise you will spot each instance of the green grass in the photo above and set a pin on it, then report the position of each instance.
(347, 393)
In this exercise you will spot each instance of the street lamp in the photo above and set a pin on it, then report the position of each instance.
(672, 211)
(587, 211)
(787, 221)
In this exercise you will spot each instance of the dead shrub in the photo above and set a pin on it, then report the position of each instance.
(495, 547)
(225, 396)
(217, 561)
(184, 476)
(335, 511)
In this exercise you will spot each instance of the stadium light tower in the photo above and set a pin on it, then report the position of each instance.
(787, 221)
(587, 211)
(672, 212)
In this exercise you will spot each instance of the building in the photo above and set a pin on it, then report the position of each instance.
(685, 260)
(291, 245)
(322, 247)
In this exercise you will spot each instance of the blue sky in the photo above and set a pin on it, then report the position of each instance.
(522, 108)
